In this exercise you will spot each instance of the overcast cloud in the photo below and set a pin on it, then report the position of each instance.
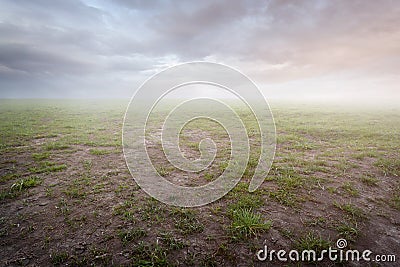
(297, 49)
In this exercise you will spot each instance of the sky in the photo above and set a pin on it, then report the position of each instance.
(314, 49)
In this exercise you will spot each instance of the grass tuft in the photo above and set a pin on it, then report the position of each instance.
(312, 241)
(350, 209)
(348, 230)
(149, 255)
(131, 235)
(56, 146)
(246, 223)
(40, 156)
(186, 221)
(47, 167)
(99, 152)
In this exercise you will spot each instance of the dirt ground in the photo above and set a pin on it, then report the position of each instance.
(67, 197)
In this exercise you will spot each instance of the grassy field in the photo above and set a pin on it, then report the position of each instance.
(67, 196)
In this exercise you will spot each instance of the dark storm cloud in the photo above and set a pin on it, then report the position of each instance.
(96, 45)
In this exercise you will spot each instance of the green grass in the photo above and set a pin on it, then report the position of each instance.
(290, 182)
(312, 241)
(75, 191)
(149, 255)
(99, 152)
(40, 156)
(350, 209)
(348, 231)
(209, 177)
(245, 201)
(370, 181)
(4, 194)
(185, 220)
(42, 136)
(63, 207)
(389, 166)
(18, 187)
(48, 167)
(151, 211)
(24, 184)
(125, 210)
(395, 201)
(318, 221)
(87, 165)
(9, 176)
(56, 146)
(350, 189)
(163, 171)
(171, 242)
(395, 198)
(59, 257)
(127, 236)
(246, 223)
(365, 154)
(284, 197)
